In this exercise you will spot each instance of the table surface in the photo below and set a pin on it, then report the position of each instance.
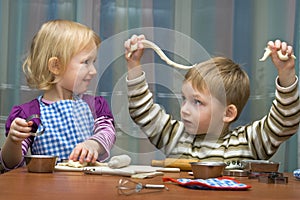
(20, 184)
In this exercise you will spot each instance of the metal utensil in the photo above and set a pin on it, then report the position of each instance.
(128, 187)
(108, 171)
(40, 128)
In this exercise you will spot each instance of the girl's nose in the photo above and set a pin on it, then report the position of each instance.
(93, 70)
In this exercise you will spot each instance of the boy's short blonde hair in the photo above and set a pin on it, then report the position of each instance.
(57, 38)
(221, 76)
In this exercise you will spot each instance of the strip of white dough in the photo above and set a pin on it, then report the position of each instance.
(77, 164)
(149, 44)
(280, 55)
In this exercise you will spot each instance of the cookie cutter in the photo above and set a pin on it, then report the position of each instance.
(40, 129)
(272, 177)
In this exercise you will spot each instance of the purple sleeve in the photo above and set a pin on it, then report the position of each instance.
(15, 112)
(23, 111)
(98, 106)
(104, 130)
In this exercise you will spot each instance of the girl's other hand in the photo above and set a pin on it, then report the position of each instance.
(86, 151)
(19, 130)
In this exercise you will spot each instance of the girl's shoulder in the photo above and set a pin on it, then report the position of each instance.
(98, 105)
(26, 109)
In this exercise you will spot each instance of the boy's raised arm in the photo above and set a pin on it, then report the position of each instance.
(285, 68)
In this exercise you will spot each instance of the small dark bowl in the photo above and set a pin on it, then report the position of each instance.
(40, 163)
(204, 170)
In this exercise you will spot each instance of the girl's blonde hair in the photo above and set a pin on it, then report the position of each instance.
(223, 79)
(57, 38)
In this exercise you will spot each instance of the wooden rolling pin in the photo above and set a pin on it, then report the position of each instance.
(183, 164)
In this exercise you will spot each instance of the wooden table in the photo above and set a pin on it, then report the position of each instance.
(21, 185)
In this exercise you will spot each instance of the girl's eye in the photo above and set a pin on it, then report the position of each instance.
(86, 62)
(197, 102)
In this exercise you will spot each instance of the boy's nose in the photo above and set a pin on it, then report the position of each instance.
(184, 109)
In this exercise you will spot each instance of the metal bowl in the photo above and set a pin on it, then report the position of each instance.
(40, 163)
(204, 170)
(260, 165)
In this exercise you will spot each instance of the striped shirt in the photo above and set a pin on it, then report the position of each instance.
(258, 140)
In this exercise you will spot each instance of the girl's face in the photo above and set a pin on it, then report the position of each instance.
(201, 113)
(80, 71)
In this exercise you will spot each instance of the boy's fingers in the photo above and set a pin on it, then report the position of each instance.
(290, 50)
(283, 48)
(277, 44)
(141, 37)
(126, 43)
(133, 37)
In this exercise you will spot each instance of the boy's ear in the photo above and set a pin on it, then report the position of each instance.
(230, 113)
(54, 65)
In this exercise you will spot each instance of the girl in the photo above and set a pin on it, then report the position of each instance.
(76, 126)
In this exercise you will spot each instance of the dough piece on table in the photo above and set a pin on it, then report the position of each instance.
(77, 164)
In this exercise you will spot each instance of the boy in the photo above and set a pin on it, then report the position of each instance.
(214, 93)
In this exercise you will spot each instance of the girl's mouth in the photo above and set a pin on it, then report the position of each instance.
(87, 80)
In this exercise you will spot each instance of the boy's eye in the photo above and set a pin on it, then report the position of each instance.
(86, 62)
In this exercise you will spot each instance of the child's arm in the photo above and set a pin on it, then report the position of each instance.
(282, 122)
(11, 152)
(286, 69)
(98, 146)
(150, 117)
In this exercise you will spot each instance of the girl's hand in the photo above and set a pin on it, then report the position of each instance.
(19, 130)
(286, 69)
(87, 151)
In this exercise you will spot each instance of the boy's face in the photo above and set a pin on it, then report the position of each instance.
(201, 113)
(80, 71)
